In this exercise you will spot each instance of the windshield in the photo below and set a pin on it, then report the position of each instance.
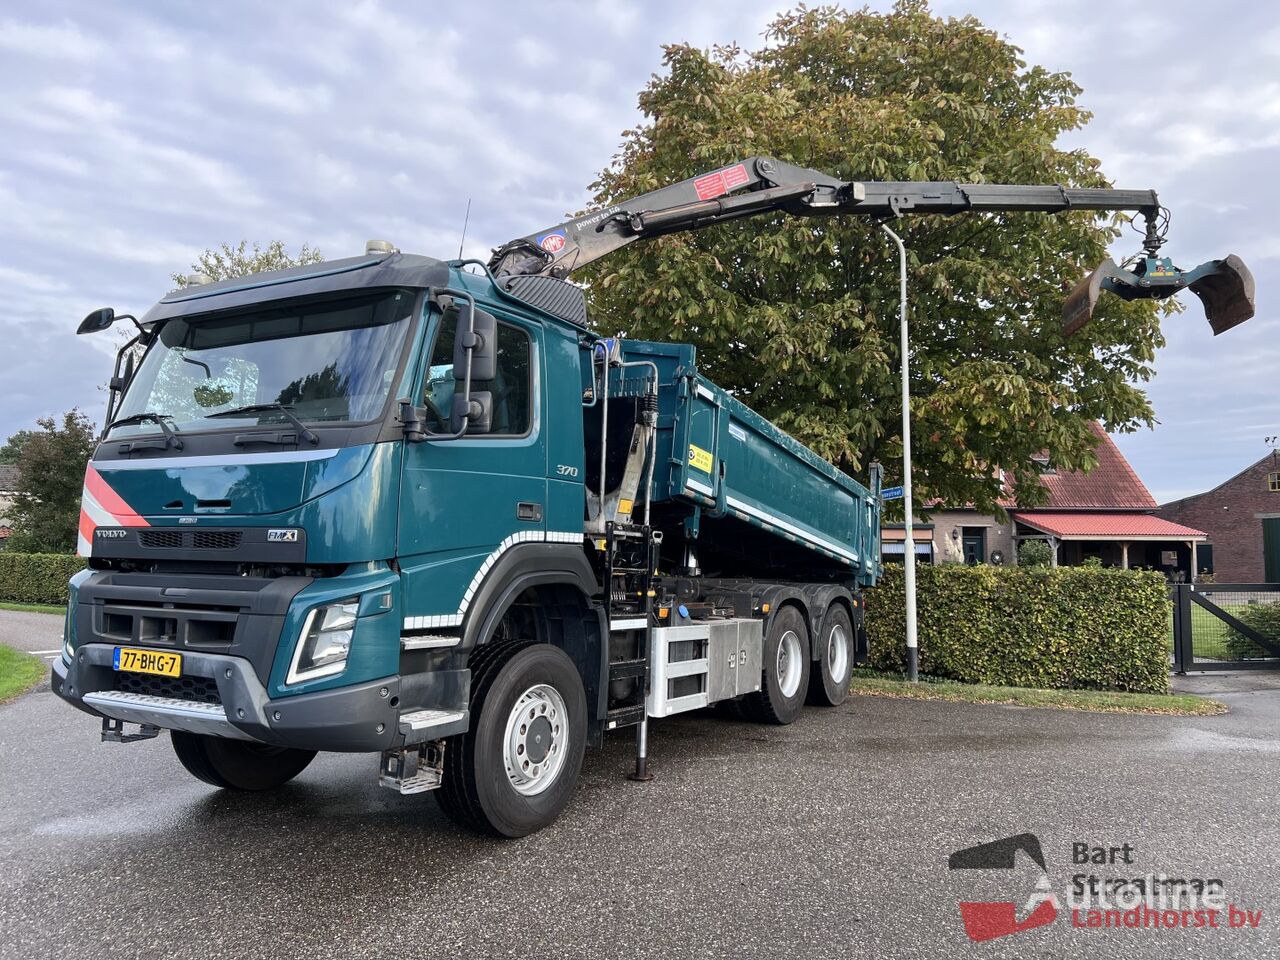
(329, 362)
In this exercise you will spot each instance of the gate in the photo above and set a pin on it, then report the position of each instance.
(1225, 626)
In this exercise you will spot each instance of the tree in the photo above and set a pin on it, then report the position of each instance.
(228, 261)
(46, 506)
(12, 449)
(799, 317)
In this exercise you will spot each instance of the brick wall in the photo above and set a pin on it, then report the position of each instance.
(1231, 516)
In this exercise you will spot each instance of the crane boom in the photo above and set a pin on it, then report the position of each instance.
(761, 185)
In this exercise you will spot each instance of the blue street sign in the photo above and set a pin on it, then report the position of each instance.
(891, 493)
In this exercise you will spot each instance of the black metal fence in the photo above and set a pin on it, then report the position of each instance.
(1225, 626)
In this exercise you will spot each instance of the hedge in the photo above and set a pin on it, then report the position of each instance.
(1065, 628)
(1262, 617)
(36, 577)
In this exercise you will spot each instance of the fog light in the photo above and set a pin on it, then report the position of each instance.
(325, 642)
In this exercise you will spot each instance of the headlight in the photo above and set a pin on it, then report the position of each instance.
(326, 641)
(67, 653)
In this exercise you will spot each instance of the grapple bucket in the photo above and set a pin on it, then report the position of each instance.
(1226, 290)
(1225, 287)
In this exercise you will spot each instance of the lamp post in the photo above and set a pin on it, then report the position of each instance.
(909, 553)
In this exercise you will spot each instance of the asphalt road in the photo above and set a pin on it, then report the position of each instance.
(828, 838)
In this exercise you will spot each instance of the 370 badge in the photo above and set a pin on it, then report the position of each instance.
(285, 535)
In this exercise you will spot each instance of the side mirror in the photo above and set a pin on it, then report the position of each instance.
(97, 321)
(476, 412)
(481, 341)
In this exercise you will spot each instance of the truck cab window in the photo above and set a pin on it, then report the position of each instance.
(511, 388)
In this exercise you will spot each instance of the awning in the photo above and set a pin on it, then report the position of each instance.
(1108, 526)
(899, 534)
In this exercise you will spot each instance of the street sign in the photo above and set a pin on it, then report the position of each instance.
(891, 493)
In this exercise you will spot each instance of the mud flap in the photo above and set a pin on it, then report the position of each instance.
(1226, 291)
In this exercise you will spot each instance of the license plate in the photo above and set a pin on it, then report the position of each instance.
(147, 661)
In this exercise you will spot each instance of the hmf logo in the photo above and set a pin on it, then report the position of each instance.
(987, 920)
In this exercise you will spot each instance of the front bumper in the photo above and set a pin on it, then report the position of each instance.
(357, 718)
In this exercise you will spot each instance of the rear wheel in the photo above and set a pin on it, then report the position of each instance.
(786, 671)
(514, 771)
(829, 680)
(238, 764)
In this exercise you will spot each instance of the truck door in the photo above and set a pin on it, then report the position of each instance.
(463, 501)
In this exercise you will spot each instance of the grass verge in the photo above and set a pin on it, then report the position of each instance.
(866, 683)
(34, 608)
(19, 672)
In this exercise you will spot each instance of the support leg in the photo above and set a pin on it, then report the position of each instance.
(641, 772)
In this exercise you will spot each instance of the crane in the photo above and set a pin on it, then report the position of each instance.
(760, 185)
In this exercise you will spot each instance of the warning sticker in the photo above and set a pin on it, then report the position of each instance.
(720, 182)
(700, 459)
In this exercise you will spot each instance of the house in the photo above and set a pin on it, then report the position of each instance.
(8, 487)
(1107, 513)
(1242, 519)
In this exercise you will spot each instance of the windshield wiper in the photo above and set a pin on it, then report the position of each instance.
(282, 408)
(161, 420)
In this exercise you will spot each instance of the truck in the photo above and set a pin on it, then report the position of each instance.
(420, 509)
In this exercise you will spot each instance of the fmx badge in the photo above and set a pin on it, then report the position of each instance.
(287, 535)
(987, 920)
(700, 459)
(552, 242)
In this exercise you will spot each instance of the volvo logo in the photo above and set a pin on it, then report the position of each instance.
(289, 535)
(110, 533)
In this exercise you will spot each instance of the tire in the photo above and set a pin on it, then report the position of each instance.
(786, 671)
(501, 777)
(238, 764)
(829, 679)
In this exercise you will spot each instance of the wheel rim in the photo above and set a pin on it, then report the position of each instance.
(536, 740)
(789, 664)
(838, 653)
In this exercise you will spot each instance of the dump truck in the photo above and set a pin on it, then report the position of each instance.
(420, 509)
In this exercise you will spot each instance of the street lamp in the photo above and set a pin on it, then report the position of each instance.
(909, 551)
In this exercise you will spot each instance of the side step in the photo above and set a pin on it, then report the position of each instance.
(419, 725)
(413, 770)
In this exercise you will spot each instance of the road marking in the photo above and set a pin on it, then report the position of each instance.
(42, 652)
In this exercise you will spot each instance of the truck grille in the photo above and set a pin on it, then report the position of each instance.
(191, 689)
(197, 539)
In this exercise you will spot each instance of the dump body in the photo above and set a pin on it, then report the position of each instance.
(716, 454)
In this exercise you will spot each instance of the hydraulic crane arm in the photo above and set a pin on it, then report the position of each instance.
(762, 185)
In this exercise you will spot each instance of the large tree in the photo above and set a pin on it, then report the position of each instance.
(799, 317)
(228, 261)
(46, 506)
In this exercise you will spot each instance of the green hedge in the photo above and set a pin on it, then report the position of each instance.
(1068, 628)
(36, 577)
(1262, 617)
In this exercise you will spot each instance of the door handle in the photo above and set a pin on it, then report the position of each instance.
(529, 511)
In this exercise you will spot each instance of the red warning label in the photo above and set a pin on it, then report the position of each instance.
(720, 182)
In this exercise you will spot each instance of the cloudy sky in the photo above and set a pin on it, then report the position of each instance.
(136, 135)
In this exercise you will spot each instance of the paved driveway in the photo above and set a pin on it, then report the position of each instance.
(828, 838)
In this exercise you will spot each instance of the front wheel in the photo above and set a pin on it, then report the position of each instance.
(514, 771)
(829, 681)
(238, 764)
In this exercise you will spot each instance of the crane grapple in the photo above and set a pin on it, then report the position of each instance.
(1225, 287)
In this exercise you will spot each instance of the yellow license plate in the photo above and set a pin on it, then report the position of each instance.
(147, 661)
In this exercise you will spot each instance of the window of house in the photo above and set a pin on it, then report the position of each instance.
(1043, 465)
(512, 388)
(1273, 482)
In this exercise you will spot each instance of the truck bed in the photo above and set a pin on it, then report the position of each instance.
(715, 453)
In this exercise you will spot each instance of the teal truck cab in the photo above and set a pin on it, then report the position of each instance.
(416, 508)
